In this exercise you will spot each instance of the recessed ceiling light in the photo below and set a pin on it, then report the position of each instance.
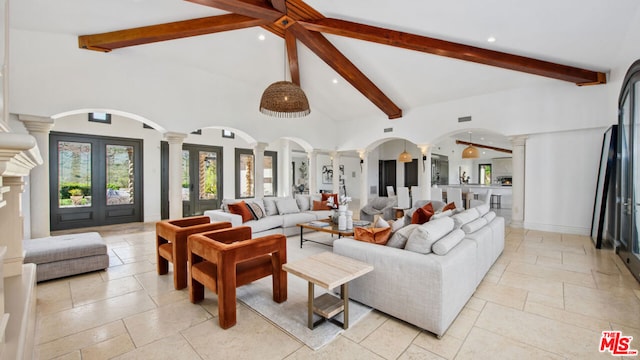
(261, 37)
(335, 81)
(491, 39)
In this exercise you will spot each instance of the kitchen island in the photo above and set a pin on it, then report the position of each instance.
(505, 191)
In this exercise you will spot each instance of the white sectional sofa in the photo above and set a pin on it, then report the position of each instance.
(419, 286)
(282, 214)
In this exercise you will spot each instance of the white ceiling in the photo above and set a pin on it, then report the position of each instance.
(584, 33)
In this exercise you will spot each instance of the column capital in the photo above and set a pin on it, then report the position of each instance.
(175, 138)
(36, 124)
(519, 140)
(259, 146)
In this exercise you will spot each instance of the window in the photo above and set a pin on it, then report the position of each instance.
(228, 134)
(100, 117)
(484, 174)
(270, 173)
(245, 173)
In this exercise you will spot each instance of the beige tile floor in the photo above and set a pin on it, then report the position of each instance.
(549, 296)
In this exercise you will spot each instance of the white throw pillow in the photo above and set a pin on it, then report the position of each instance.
(397, 225)
(270, 206)
(465, 217)
(423, 238)
(381, 223)
(303, 202)
(444, 245)
(287, 206)
(399, 238)
(439, 215)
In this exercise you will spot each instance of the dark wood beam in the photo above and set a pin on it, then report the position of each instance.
(334, 58)
(461, 142)
(292, 55)
(455, 50)
(260, 9)
(106, 42)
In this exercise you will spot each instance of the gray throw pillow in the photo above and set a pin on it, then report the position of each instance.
(399, 238)
(270, 206)
(287, 206)
(303, 202)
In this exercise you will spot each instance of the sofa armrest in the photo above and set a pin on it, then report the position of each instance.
(219, 215)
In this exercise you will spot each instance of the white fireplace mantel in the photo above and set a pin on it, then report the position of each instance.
(18, 155)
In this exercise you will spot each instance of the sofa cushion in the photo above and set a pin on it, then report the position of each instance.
(482, 209)
(266, 223)
(241, 208)
(373, 235)
(449, 206)
(292, 219)
(423, 214)
(489, 216)
(423, 238)
(399, 237)
(287, 206)
(474, 225)
(448, 242)
(325, 197)
(303, 201)
(442, 214)
(320, 205)
(465, 217)
(270, 206)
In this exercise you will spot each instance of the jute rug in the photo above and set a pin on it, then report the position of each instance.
(291, 315)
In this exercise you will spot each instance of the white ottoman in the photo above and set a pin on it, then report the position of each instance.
(65, 255)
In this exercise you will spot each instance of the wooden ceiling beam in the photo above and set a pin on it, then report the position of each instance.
(106, 42)
(455, 50)
(260, 9)
(462, 142)
(292, 55)
(334, 58)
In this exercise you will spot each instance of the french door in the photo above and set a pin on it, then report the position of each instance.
(628, 199)
(94, 180)
(201, 178)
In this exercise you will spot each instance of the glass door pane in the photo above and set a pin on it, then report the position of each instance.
(635, 246)
(246, 175)
(625, 141)
(74, 174)
(208, 175)
(186, 179)
(120, 174)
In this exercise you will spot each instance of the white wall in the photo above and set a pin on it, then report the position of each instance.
(561, 172)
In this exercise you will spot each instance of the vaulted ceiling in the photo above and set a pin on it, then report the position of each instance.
(385, 58)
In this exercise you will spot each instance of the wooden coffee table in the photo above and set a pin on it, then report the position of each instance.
(331, 228)
(329, 271)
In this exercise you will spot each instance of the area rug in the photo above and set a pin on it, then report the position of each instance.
(291, 315)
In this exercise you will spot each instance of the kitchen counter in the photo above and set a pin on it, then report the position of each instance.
(505, 191)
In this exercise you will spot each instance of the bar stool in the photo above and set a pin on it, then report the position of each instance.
(496, 201)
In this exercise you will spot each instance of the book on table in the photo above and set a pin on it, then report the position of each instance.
(319, 223)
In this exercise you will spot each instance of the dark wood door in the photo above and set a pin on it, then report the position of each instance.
(95, 180)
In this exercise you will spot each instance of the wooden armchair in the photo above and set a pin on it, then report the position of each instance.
(225, 259)
(171, 244)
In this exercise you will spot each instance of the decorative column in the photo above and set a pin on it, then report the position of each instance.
(175, 141)
(285, 184)
(258, 177)
(424, 172)
(364, 178)
(40, 218)
(313, 171)
(335, 165)
(518, 185)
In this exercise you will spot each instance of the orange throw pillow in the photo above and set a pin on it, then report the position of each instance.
(320, 205)
(449, 206)
(423, 214)
(373, 235)
(241, 208)
(326, 196)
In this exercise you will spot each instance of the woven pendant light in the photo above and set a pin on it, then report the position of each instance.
(470, 152)
(405, 156)
(284, 99)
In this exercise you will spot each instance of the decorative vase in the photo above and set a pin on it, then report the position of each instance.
(349, 220)
(342, 221)
(342, 208)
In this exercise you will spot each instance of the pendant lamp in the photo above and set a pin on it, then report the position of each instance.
(470, 152)
(405, 156)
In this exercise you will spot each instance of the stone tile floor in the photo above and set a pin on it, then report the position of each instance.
(548, 296)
